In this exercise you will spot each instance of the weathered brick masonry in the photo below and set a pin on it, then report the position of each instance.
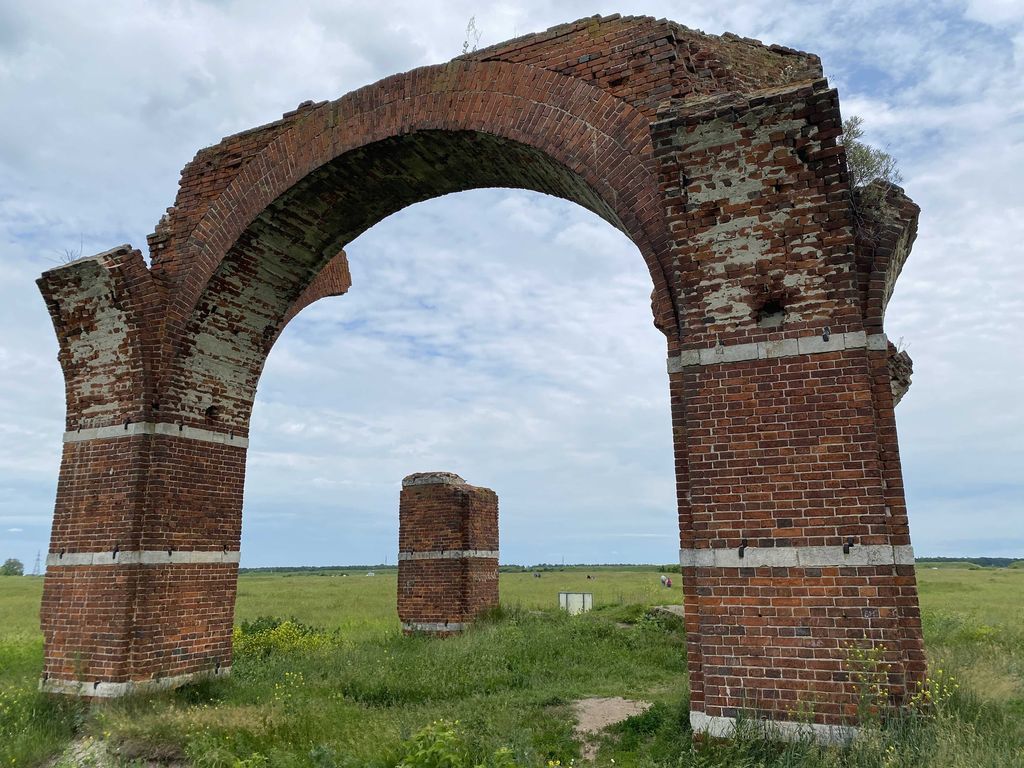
(717, 156)
(447, 552)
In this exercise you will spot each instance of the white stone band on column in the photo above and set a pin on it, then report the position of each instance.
(107, 690)
(155, 428)
(433, 626)
(449, 554)
(142, 557)
(785, 730)
(764, 350)
(797, 557)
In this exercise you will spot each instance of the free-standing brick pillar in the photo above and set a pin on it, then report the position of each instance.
(719, 157)
(447, 552)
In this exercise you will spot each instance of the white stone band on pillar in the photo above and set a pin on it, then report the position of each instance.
(142, 557)
(433, 626)
(765, 350)
(107, 690)
(155, 428)
(449, 554)
(785, 730)
(798, 557)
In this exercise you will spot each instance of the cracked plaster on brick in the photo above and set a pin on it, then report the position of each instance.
(98, 350)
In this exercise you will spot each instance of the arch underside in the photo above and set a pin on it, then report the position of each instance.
(248, 299)
(529, 128)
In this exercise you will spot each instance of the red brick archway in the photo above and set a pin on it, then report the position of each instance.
(717, 156)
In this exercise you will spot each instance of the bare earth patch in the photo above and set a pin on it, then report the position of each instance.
(595, 714)
(89, 752)
(83, 752)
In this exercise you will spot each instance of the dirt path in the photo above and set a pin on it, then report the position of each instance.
(594, 715)
(89, 752)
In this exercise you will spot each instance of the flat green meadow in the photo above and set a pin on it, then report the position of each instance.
(330, 681)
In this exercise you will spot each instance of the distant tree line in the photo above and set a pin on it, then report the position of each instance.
(984, 562)
(508, 568)
(319, 568)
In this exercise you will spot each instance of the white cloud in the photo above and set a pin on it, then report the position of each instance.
(503, 335)
(997, 13)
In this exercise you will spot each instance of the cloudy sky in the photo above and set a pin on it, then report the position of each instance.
(499, 334)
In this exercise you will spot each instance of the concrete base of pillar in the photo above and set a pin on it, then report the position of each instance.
(432, 627)
(781, 730)
(99, 689)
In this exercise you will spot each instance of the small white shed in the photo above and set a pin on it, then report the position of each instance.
(575, 602)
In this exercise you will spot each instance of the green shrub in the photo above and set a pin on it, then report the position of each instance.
(435, 746)
(440, 745)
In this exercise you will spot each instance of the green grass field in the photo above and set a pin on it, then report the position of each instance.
(343, 687)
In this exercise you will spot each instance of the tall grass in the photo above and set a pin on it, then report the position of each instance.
(296, 692)
(340, 685)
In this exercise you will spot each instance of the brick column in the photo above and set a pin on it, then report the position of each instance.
(792, 559)
(448, 552)
(143, 558)
(794, 545)
(143, 561)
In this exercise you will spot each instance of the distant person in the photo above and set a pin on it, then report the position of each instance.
(668, 582)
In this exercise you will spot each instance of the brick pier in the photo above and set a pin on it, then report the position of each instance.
(448, 553)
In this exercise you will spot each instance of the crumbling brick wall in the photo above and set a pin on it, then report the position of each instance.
(719, 157)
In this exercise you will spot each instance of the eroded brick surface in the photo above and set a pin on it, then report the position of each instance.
(183, 619)
(718, 156)
(87, 618)
(773, 640)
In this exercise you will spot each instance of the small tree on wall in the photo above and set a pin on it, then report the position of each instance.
(872, 172)
(867, 163)
(12, 567)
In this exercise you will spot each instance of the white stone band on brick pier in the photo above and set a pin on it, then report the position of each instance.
(785, 730)
(107, 690)
(433, 626)
(141, 557)
(765, 350)
(155, 428)
(797, 557)
(449, 554)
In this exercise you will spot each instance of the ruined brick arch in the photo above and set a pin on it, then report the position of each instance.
(601, 141)
(556, 135)
(717, 156)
